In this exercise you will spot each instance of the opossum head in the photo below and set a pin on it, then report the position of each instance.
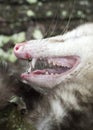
(61, 60)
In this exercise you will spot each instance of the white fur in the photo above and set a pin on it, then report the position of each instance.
(57, 109)
(77, 42)
(43, 124)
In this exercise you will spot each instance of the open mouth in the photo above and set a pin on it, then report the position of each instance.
(55, 66)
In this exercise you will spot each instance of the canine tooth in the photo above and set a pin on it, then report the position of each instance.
(33, 62)
(29, 70)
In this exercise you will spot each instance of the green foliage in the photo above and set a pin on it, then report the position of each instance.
(30, 13)
(15, 38)
(31, 1)
(12, 119)
(37, 34)
(7, 54)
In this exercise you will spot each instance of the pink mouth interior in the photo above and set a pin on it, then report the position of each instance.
(54, 66)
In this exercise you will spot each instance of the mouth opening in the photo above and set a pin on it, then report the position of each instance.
(52, 66)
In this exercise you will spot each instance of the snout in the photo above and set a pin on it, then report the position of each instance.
(19, 51)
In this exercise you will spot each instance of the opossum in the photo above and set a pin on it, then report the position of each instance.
(61, 70)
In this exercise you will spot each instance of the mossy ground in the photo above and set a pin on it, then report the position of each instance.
(12, 119)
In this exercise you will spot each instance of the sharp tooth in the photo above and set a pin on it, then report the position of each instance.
(33, 62)
(47, 73)
(29, 70)
(54, 63)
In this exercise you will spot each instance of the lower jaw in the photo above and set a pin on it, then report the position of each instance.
(44, 81)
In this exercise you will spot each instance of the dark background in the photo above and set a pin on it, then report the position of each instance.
(49, 16)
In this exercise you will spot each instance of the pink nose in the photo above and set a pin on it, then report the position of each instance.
(18, 48)
(20, 51)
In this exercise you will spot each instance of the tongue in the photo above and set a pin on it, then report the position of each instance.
(39, 72)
